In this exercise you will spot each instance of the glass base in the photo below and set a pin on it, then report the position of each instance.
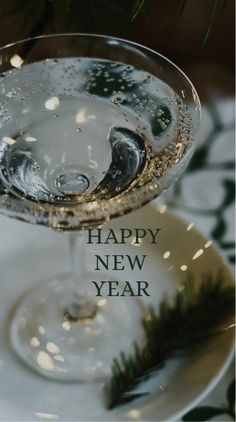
(52, 341)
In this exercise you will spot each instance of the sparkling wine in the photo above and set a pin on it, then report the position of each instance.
(83, 130)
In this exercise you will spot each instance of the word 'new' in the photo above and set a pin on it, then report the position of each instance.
(119, 262)
(122, 236)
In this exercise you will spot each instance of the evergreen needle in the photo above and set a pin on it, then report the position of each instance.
(193, 315)
(136, 9)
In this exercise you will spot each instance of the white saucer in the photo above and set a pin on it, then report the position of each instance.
(29, 254)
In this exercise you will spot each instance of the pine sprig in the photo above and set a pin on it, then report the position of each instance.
(136, 9)
(193, 315)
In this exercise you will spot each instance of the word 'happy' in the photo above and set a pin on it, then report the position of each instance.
(122, 236)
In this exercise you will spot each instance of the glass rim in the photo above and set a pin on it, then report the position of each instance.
(118, 39)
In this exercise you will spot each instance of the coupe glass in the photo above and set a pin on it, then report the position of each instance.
(91, 127)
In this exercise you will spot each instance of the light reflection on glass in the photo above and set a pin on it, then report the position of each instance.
(134, 242)
(8, 140)
(197, 254)
(52, 348)
(66, 326)
(92, 163)
(166, 255)
(112, 42)
(30, 139)
(41, 330)
(162, 208)
(101, 303)
(45, 361)
(16, 61)
(208, 244)
(49, 416)
(60, 358)
(190, 226)
(228, 327)
(34, 342)
(134, 414)
(52, 103)
(80, 117)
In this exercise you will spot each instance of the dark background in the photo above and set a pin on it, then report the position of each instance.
(197, 34)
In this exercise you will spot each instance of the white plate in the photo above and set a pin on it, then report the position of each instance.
(29, 254)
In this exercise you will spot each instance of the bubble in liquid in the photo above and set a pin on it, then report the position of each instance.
(72, 182)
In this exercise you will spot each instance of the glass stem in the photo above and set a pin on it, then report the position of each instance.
(81, 308)
(77, 258)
